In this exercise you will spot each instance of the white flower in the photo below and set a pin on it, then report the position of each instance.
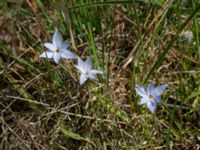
(86, 71)
(151, 96)
(58, 49)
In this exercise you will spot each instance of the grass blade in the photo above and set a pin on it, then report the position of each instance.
(74, 135)
(162, 56)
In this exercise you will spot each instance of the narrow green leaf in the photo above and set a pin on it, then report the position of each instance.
(162, 56)
(92, 46)
(193, 95)
(75, 135)
(101, 3)
(196, 30)
(71, 134)
(159, 2)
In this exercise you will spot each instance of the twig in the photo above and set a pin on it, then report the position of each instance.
(87, 117)
(132, 54)
(37, 18)
(186, 72)
(1, 118)
(27, 100)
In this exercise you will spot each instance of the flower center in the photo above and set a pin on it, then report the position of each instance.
(150, 97)
(85, 73)
(57, 50)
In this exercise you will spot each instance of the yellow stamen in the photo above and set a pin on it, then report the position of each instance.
(150, 96)
(85, 73)
(57, 50)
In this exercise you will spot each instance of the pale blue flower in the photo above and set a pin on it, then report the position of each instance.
(58, 49)
(86, 71)
(151, 96)
(187, 36)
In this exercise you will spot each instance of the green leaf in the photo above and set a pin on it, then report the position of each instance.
(159, 2)
(165, 51)
(75, 135)
(114, 109)
(101, 3)
(194, 94)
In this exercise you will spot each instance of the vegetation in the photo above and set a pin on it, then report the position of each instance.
(134, 42)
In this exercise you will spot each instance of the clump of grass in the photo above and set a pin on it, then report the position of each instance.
(43, 105)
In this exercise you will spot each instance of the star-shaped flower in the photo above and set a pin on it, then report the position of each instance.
(151, 96)
(86, 71)
(186, 36)
(58, 49)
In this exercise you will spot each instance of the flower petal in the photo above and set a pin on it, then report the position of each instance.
(56, 57)
(157, 99)
(159, 90)
(96, 71)
(80, 65)
(50, 47)
(140, 90)
(150, 89)
(144, 100)
(91, 76)
(79, 68)
(57, 39)
(83, 78)
(151, 106)
(88, 64)
(69, 55)
(47, 54)
(65, 45)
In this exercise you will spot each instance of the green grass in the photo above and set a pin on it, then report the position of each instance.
(42, 104)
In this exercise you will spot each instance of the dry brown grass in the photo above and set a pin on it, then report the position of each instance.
(38, 98)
